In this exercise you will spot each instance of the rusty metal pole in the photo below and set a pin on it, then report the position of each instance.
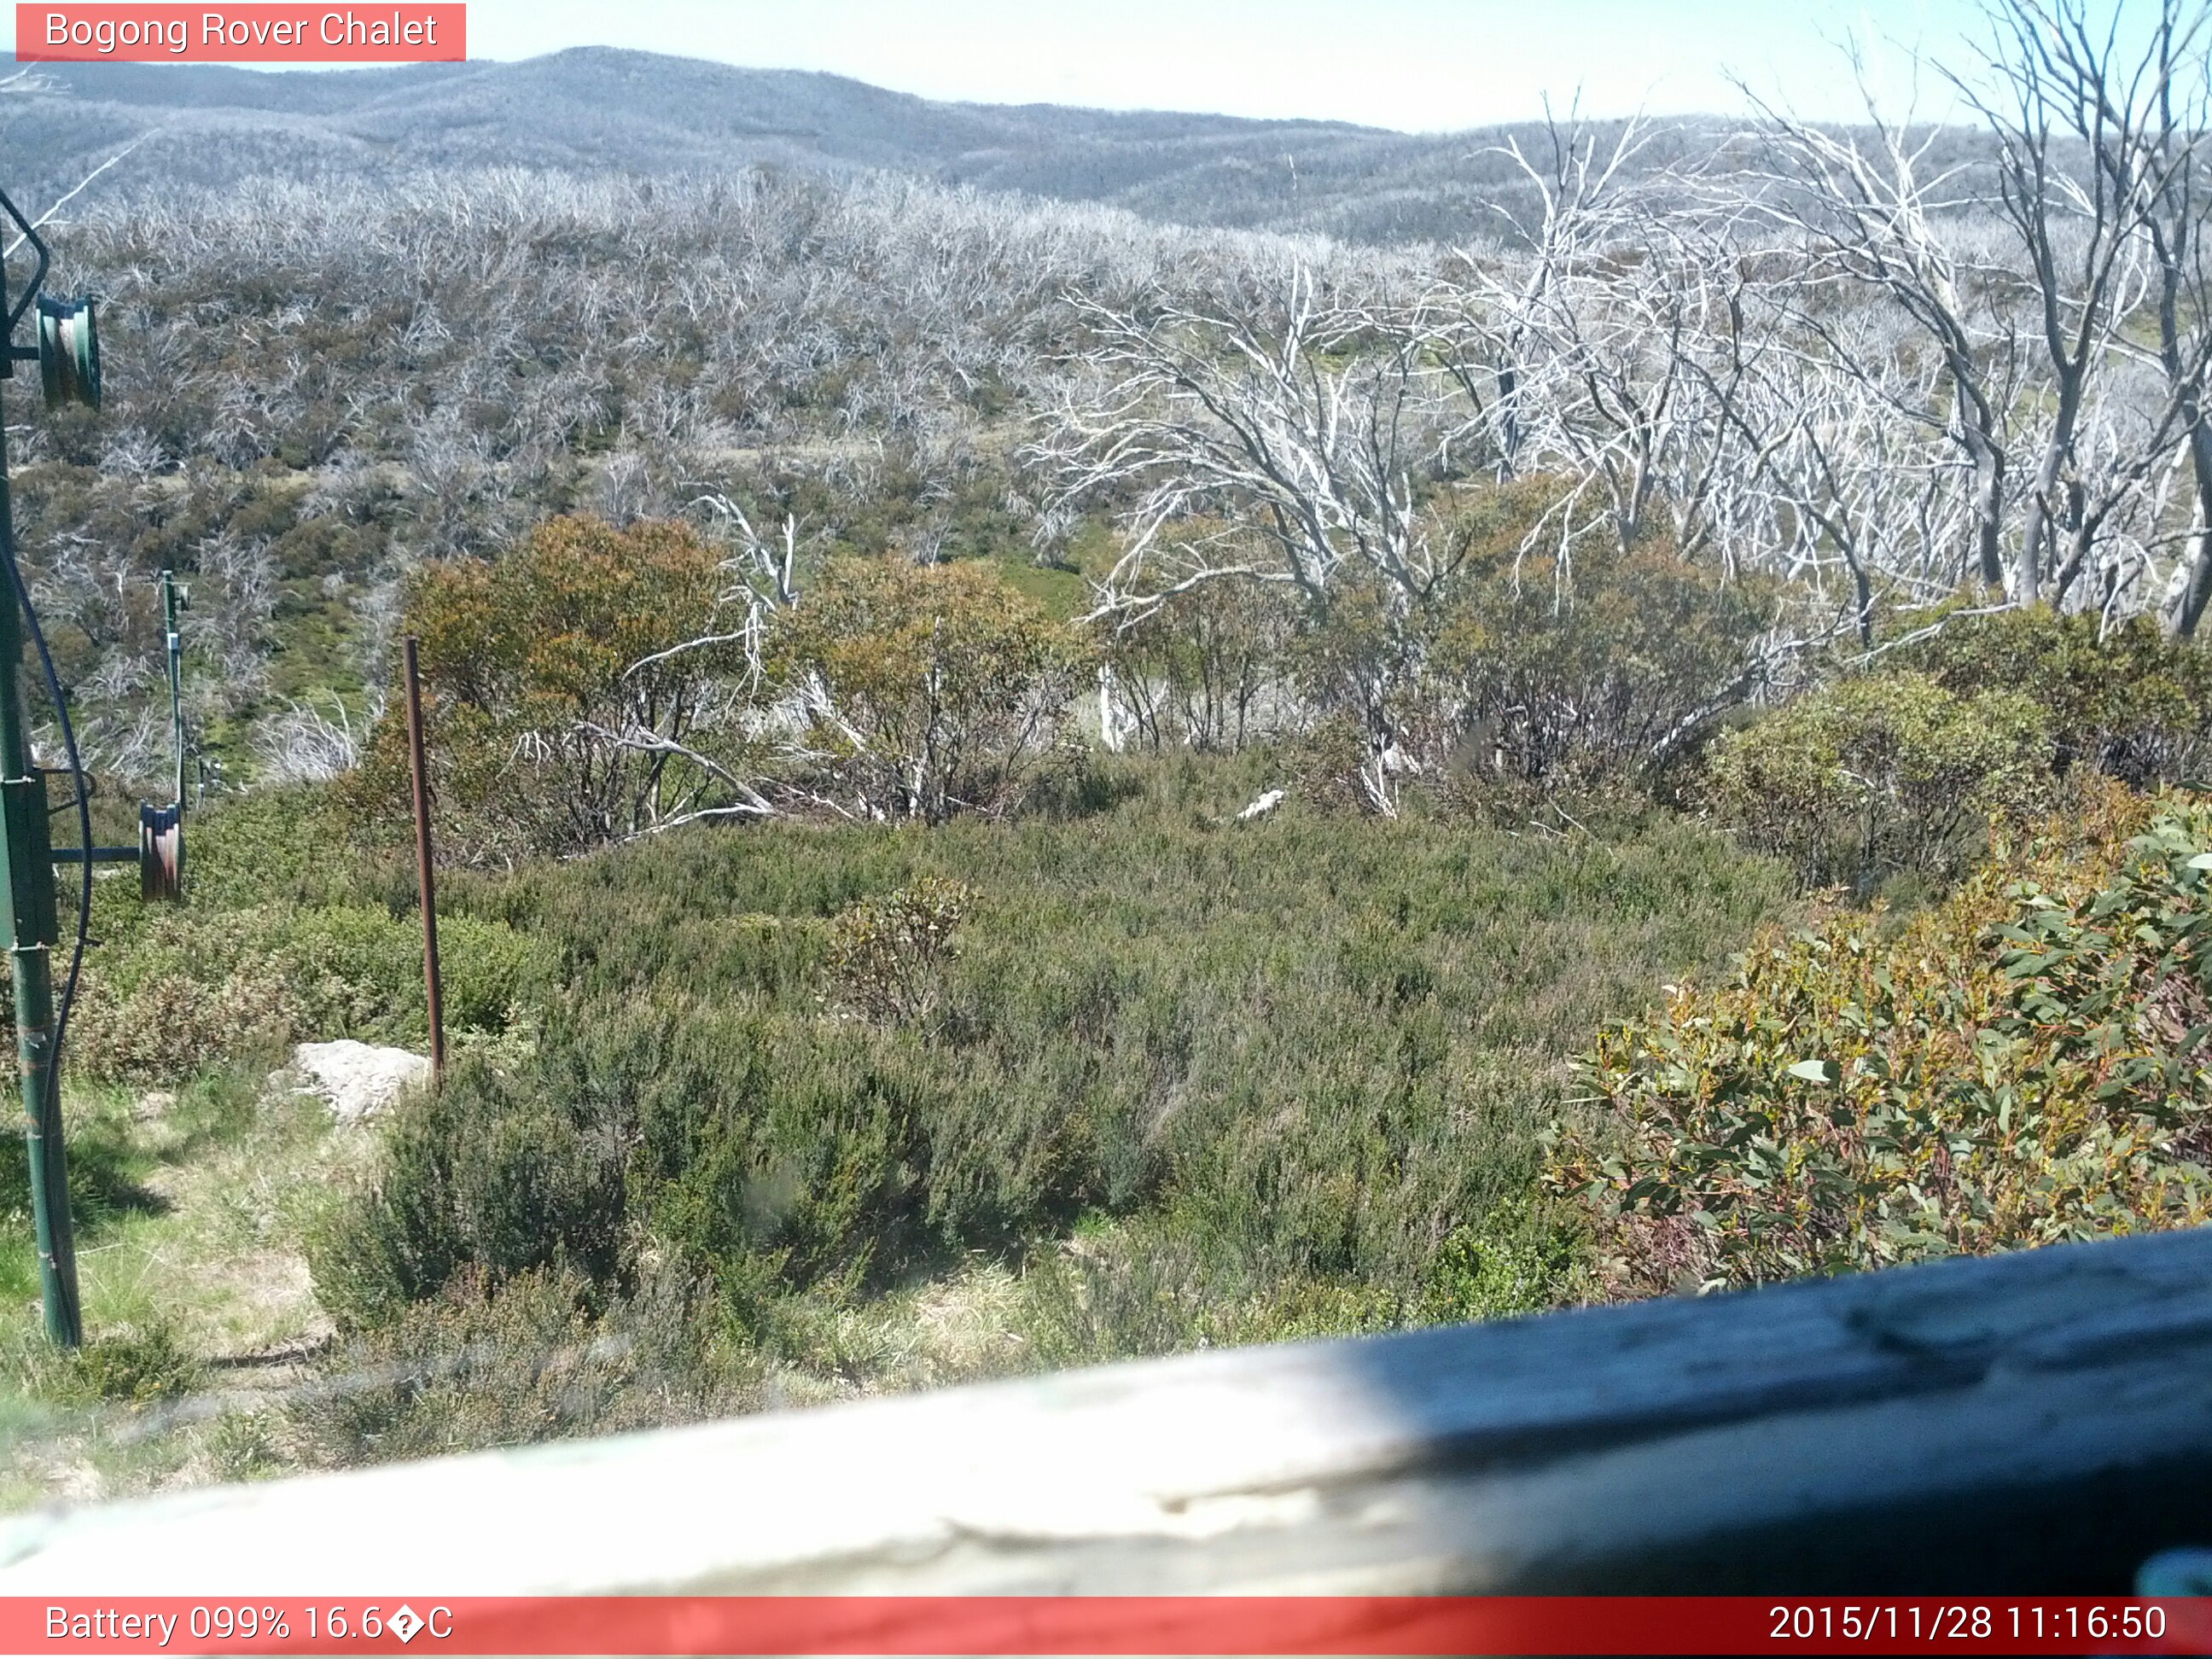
(421, 768)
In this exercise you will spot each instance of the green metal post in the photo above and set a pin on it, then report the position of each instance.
(176, 641)
(26, 882)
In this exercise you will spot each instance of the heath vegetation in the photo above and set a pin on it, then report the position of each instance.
(1021, 786)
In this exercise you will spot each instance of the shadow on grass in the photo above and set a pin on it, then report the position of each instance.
(106, 1175)
(105, 1185)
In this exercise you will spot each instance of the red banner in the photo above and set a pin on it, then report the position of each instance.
(259, 33)
(1131, 1625)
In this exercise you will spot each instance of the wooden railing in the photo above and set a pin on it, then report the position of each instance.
(2038, 1422)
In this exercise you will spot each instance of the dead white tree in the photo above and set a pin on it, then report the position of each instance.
(304, 744)
(1878, 216)
(1317, 420)
(2142, 115)
(763, 583)
(2076, 119)
(1313, 417)
(1650, 347)
(1863, 483)
(1496, 303)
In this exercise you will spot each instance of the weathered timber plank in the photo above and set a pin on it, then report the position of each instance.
(2038, 1421)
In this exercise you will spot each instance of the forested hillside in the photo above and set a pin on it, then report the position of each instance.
(1021, 782)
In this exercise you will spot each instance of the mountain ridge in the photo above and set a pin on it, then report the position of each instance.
(599, 109)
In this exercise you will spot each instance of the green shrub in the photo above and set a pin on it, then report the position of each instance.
(1159, 1284)
(1607, 668)
(1882, 773)
(529, 1360)
(1164, 1281)
(170, 1022)
(1519, 666)
(134, 1367)
(773, 1152)
(480, 1178)
(574, 690)
(2121, 699)
(288, 845)
(890, 954)
(1523, 1258)
(935, 689)
(1314, 1047)
(2020, 1066)
(1208, 668)
(783, 1157)
(188, 988)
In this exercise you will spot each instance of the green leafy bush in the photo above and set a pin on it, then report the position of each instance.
(133, 1367)
(1519, 668)
(1162, 1283)
(1523, 1258)
(577, 690)
(188, 988)
(890, 954)
(1882, 773)
(934, 687)
(2122, 699)
(1207, 668)
(1313, 1050)
(164, 1025)
(2018, 1065)
(762, 1149)
(1607, 668)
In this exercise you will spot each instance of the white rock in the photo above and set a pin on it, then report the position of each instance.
(358, 1078)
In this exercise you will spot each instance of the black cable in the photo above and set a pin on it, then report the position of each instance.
(84, 831)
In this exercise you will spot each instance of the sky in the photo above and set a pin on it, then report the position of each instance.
(1419, 65)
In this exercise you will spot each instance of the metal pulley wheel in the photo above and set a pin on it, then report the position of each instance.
(68, 352)
(161, 852)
